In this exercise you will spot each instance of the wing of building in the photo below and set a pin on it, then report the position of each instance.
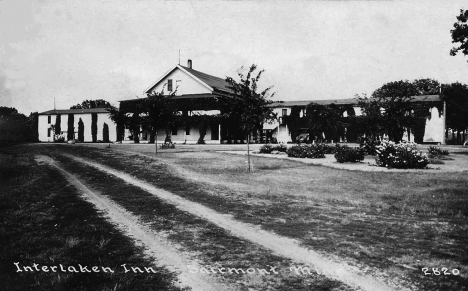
(49, 121)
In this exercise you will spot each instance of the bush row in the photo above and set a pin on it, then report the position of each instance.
(403, 155)
(268, 148)
(311, 151)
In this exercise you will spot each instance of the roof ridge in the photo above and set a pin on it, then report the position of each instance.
(202, 73)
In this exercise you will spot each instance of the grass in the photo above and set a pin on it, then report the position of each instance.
(43, 220)
(394, 222)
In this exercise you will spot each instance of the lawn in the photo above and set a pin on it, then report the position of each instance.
(391, 224)
(395, 222)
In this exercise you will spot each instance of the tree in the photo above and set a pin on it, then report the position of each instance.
(58, 122)
(17, 127)
(460, 33)
(295, 122)
(88, 104)
(248, 107)
(71, 127)
(391, 111)
(81, 130)
(121, 120)
(161, 112)
(456, 97)
(392, 101)
(94, 128)
(325, 120)
(105, 132)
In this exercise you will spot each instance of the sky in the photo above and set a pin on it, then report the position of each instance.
(71, 51)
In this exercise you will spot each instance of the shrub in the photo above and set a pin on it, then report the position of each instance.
(167, 145)
(369, 145)
(346, 154)
(436, 152)
(311, 151)
(280, 147)
(266, 149)
(59, 138)
(329, 149)
(401, 156)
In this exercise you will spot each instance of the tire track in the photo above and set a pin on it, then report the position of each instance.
(166, 254)
(280, 245)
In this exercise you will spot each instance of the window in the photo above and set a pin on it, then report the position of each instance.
(174, 130)
(187, 130)
(48, 119)
(169, 85)
(284, 112)
(48, 131)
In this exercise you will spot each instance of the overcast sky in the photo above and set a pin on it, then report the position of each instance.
(113, 50)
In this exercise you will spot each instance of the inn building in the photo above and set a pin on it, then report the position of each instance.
(199, 93)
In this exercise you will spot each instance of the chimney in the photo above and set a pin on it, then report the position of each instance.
(189, 64)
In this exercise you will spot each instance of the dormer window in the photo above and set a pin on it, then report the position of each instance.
(169, 85)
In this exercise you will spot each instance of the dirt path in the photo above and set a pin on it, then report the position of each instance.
(166, 254)
(282, 246)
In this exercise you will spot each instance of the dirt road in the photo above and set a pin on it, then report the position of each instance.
(166, 254)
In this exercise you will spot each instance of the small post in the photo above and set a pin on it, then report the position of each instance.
(248, 151)
(156, 142)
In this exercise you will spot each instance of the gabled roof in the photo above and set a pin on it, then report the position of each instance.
(349, 101)
(211, 82)
(74, 111)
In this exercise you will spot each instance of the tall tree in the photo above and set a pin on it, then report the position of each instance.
(94, 128)
(88, 104)
(58, 122)
(394, 102)
(81, 130)
(247, 106)
(391, 111)
(105, 132)
(460, 33)
(456, 97)
(71, 127)
(121, 120)
(325, 120)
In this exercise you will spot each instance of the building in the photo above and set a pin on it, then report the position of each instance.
(198, 94)
(202, 91)
(48, 121)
